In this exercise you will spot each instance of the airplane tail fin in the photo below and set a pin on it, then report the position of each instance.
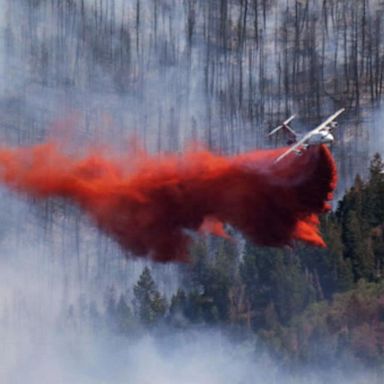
(285, 126)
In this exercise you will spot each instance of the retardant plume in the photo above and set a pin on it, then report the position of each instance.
(147, 202)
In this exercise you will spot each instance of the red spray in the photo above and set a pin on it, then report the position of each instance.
(147, 202)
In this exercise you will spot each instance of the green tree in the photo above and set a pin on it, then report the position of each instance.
(212, 277)
(328, 264)
(255, 272)
(375, 192)
(292, 287)
(275, 278)
(345, 275)
(149, 305)
(358, 248)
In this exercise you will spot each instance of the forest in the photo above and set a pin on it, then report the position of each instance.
(165, 73)
(306, 304)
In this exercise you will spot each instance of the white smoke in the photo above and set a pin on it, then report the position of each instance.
(51, 257)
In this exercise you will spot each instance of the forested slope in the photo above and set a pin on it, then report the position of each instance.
(222, 72)
(306, 304)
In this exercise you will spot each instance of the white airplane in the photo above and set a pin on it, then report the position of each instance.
(320, 135)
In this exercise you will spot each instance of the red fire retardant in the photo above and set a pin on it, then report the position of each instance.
(147, 202)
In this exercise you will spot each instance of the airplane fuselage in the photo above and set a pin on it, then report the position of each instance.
(320, 138)
(324, 137)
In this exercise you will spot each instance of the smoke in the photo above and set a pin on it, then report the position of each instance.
(199, 357)
(147, 202)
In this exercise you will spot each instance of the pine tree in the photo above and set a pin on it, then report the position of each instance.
(292, 291)
(149, 305)
(345, 275)
(357, 248)
(375, 192)
(208, 299)
(255, 272)
(274, 277)
(335, 273)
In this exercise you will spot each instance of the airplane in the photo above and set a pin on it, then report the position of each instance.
(320, 135)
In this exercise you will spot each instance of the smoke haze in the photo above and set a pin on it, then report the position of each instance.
(80, 72)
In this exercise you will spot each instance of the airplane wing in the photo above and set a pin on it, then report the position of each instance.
(294, 147)
(325, 124)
